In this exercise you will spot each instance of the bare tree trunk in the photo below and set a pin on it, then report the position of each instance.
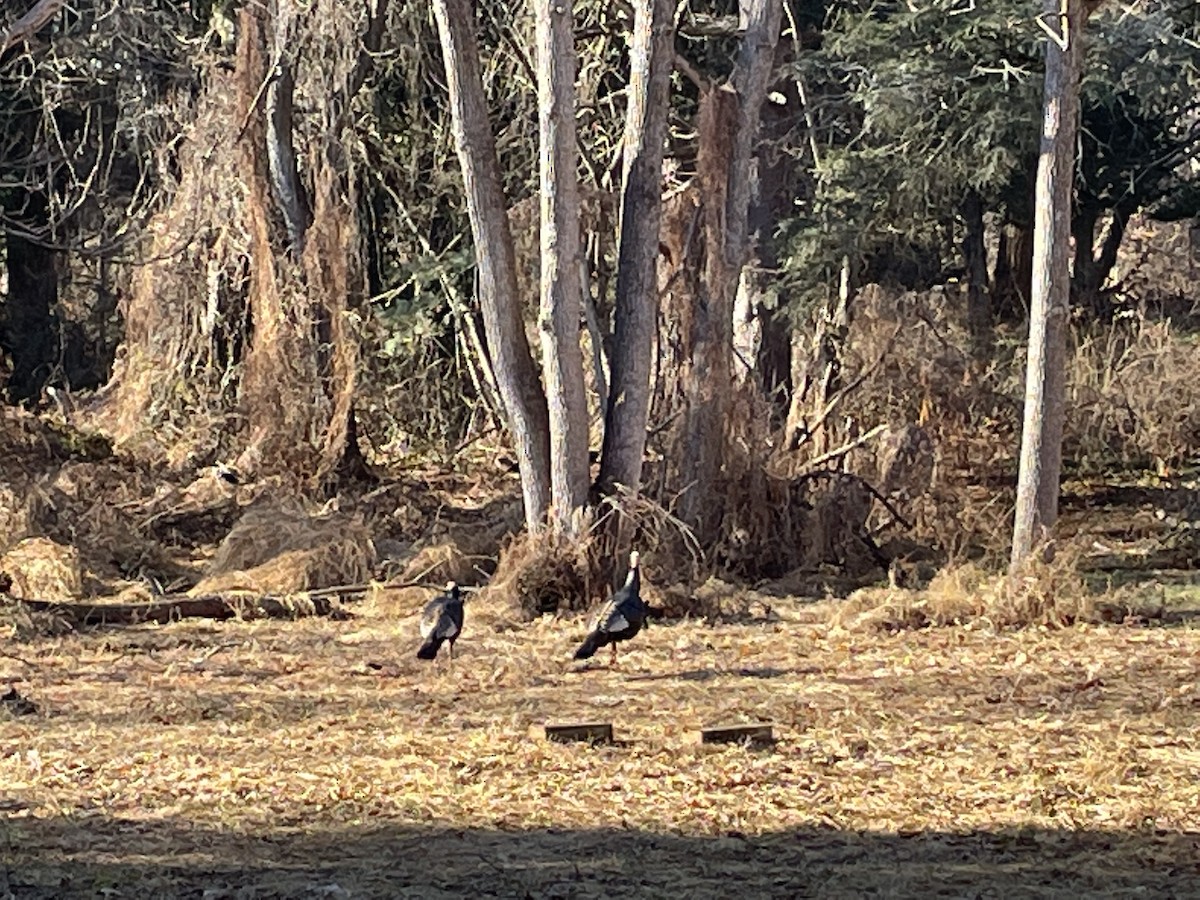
(729, 114)
(750, 79)
(707, 375)
(300, 369)
(1041, 438)
(817, 370)
(281, 154)
(516, 376)
(1011, 283)
(652, 59)
(561, 291)
(979, 303)
(1091, 269)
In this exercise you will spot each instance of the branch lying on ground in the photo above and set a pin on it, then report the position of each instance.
(170, 609)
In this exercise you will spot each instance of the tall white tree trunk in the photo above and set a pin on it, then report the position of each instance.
(1041, 436)
(651, 58)
(561, 297)
(516, 375)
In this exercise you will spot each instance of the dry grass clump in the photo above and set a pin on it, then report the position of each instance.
(440, 562)
(19, 511)
(20, 623)
(42, 569)
(1134, 393)
(538, 574)
(1052, 594)
(713, 601)
(1133, 397)
(279, 548)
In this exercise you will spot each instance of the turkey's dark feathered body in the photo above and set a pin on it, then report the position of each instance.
(617, 620)
(441, 621)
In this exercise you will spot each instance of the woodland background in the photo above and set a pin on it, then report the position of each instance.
(295, 327)
(237, 249)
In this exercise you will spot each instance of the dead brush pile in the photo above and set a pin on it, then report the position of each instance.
(1134, 395)
(539, 575)
(277, 547)
(1133, 399)
(1050, 594)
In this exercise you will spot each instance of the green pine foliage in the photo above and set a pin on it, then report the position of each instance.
(914, 105)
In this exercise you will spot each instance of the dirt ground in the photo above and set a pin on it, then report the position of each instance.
(320, 759)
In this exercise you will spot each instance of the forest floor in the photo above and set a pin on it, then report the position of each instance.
(319, 758)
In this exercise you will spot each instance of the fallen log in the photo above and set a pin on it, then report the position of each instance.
(173, 608)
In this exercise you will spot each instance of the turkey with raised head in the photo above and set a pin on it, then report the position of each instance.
(620, 618)
(441, 622)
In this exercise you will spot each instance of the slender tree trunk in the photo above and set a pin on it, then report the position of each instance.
(561, 291)
(751, 76)
(979, 304)
(1011, 285)
(1041, 437)
(516, 376)
(975, 252)
(651, 60)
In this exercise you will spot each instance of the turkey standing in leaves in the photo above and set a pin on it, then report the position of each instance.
(620, 618)
(441, 621)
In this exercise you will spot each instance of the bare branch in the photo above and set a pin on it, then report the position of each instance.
(30, 23)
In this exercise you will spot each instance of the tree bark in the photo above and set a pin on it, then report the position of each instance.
(979, 304)
(561, 291)
(1011, 284)
(652, 58)
(1090, 269)
(281, 154)
(1041, 437)
(516, 376)
(729, 114)
(750, 78)
(30, 23)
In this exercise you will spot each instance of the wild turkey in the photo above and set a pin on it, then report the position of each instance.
(441, 622)
(620, 618)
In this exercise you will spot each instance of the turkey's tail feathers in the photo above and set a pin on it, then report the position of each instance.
(429, 649)
(589, 647)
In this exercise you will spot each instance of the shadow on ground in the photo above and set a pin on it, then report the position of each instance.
(105, 857)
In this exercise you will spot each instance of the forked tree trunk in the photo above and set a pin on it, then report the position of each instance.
(652, 58)
(300, 369)
(1011, 283)
(1045, 376)
(1091, 269)
(561, 290)
(516, 375)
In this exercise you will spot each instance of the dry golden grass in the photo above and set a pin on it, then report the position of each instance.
(278, 548)
(270, 759)
(43, 570)
(1050, 593)
(541, 574)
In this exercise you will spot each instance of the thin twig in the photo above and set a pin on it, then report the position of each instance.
(843, 450)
